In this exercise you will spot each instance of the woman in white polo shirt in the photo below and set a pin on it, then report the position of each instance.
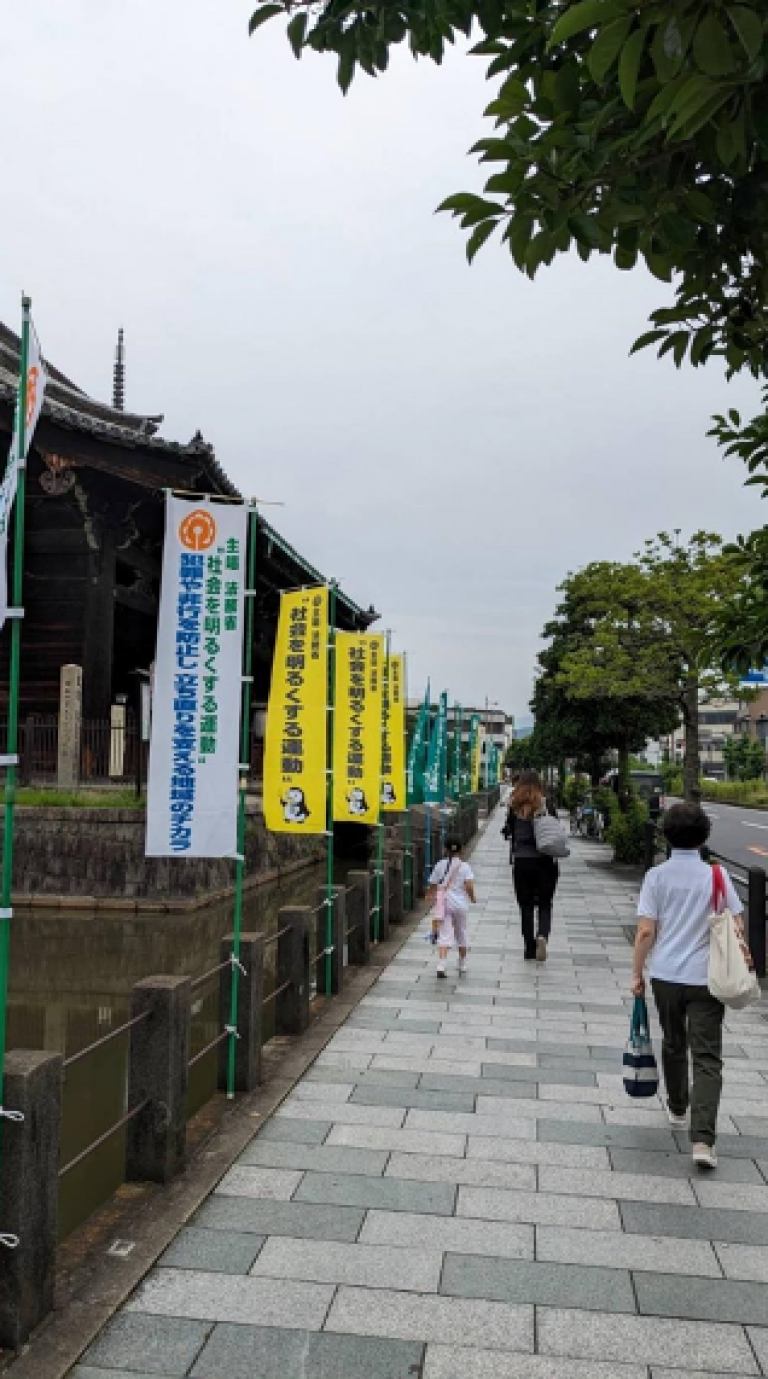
(673, 926)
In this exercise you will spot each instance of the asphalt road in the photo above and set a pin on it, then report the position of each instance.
(739, 834)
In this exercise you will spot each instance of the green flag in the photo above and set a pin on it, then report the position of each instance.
(417, 754)
(437, 764)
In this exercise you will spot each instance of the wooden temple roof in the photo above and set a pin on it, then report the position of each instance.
(127, 446)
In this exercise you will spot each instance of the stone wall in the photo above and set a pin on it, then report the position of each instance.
(99, 853)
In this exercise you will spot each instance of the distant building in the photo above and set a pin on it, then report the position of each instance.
(718, 721)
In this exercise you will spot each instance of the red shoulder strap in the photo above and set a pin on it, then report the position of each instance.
(718, 888)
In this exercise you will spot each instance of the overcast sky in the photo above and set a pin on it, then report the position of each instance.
(448, 441)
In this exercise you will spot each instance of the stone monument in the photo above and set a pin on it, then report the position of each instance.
(70, 718)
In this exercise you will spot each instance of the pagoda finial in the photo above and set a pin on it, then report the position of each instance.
(118, 387)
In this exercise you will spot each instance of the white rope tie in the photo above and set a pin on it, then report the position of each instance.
(231, 1029)
(11, 1242)
(16, 1116)
(235, 962)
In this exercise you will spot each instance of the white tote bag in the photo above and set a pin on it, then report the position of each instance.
(730, 978)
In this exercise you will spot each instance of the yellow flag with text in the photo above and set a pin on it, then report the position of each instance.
(393, 737)
(358, 727)
(296, 748)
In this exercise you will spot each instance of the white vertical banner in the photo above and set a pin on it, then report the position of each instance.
(192, 795)
(34, 391)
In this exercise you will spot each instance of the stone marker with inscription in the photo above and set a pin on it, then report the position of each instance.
(70, 716)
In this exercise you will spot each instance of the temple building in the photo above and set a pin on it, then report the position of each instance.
(94, 514)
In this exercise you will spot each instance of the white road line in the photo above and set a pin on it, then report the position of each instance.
(746, 825)
(710, 815)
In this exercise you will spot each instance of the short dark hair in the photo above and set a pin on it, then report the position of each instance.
(453, 845)
(686, 825)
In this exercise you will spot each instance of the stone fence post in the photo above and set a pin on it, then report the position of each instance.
(158, 1073)
(292, 1005)
(358, 918)
(29, 1192)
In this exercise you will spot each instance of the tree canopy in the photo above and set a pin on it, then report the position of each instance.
(636, 130)
(651, 631)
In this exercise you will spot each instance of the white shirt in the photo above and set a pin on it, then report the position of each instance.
(678, 896)
(460, 872)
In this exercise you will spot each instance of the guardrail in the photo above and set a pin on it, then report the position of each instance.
(159, 1058)
(751, 882)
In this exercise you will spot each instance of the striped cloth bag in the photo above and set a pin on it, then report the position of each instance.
(641, 1075)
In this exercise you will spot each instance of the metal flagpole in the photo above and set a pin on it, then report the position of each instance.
(408, 836)
(242, 813)
(329, 808)
(13, 705)
(427, 803)
(380, 824)
(442, 766)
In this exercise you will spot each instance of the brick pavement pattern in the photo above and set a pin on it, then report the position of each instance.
(460, 1188)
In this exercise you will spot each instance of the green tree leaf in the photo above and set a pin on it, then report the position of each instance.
(589, 14)
(479, 236)
(262, 14)
(607, 46)
(629, 66)
(749, 27)
(296, 31)
(711, 47)
(649, 338)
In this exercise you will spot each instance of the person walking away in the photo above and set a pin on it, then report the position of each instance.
(455, 879)
(673, 927)
(535, 875)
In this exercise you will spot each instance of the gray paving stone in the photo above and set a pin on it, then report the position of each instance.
(632, 1187)
(720, 1300)
(612, 1249)
(733, 1196)
(225, 1252)
(737, 1146)
(448, 1233)
(620, 1136)
(418, 1100)
(567, 1078)
(88, 1372)
(499, 1205)
(388, 1194)
(689, 1374)
(343, 1114)
(469, 1172)
(695, 1223)
(182, 1293)
(451, 1321)
(151, 1345)
(255, 1352)
(320, 1158)
(404, 1141)
(514, 1151)
(270, 1184)
(457, 1362)
(416, 1269)
(300, 1219)
(676, 1165)
(743, 1262)
(296, 1131)
(649, 1340)
(759, 1339)
(564, 1285)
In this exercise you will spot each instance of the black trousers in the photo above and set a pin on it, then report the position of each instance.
(535, 883)
(691, 1019)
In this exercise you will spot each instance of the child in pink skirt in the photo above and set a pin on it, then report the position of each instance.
(454, 879)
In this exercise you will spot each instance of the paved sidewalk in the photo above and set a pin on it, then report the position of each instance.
(460, 1189)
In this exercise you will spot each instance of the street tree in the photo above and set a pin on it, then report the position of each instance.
(635, 130)
(651, 632)
(744, 758)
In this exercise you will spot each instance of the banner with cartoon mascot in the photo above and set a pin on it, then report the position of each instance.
(296, 745)
(393, 736)
(357, 743)
(194, 743)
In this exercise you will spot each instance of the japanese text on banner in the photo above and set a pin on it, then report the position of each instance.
(296, 750)
(194, 743)
(393, 737)
(358, 730)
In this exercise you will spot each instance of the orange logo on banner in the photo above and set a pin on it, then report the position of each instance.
(33, 378)
(198, 531)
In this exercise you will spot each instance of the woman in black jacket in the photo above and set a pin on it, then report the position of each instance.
(535, 875)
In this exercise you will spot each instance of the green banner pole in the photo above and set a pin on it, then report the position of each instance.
(380, 825)
(12, 738)
(242, 811)
(408, 832)
(329, 807)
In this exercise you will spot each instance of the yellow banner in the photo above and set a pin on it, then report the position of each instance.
(393, 737)
(357, 728)
(296, 748)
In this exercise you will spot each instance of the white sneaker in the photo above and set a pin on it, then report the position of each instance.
(705, 1155)
(462, 966)
(678, 1122)
(441, 972)
(541, 949)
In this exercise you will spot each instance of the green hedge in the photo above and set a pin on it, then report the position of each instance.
(627, 832)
